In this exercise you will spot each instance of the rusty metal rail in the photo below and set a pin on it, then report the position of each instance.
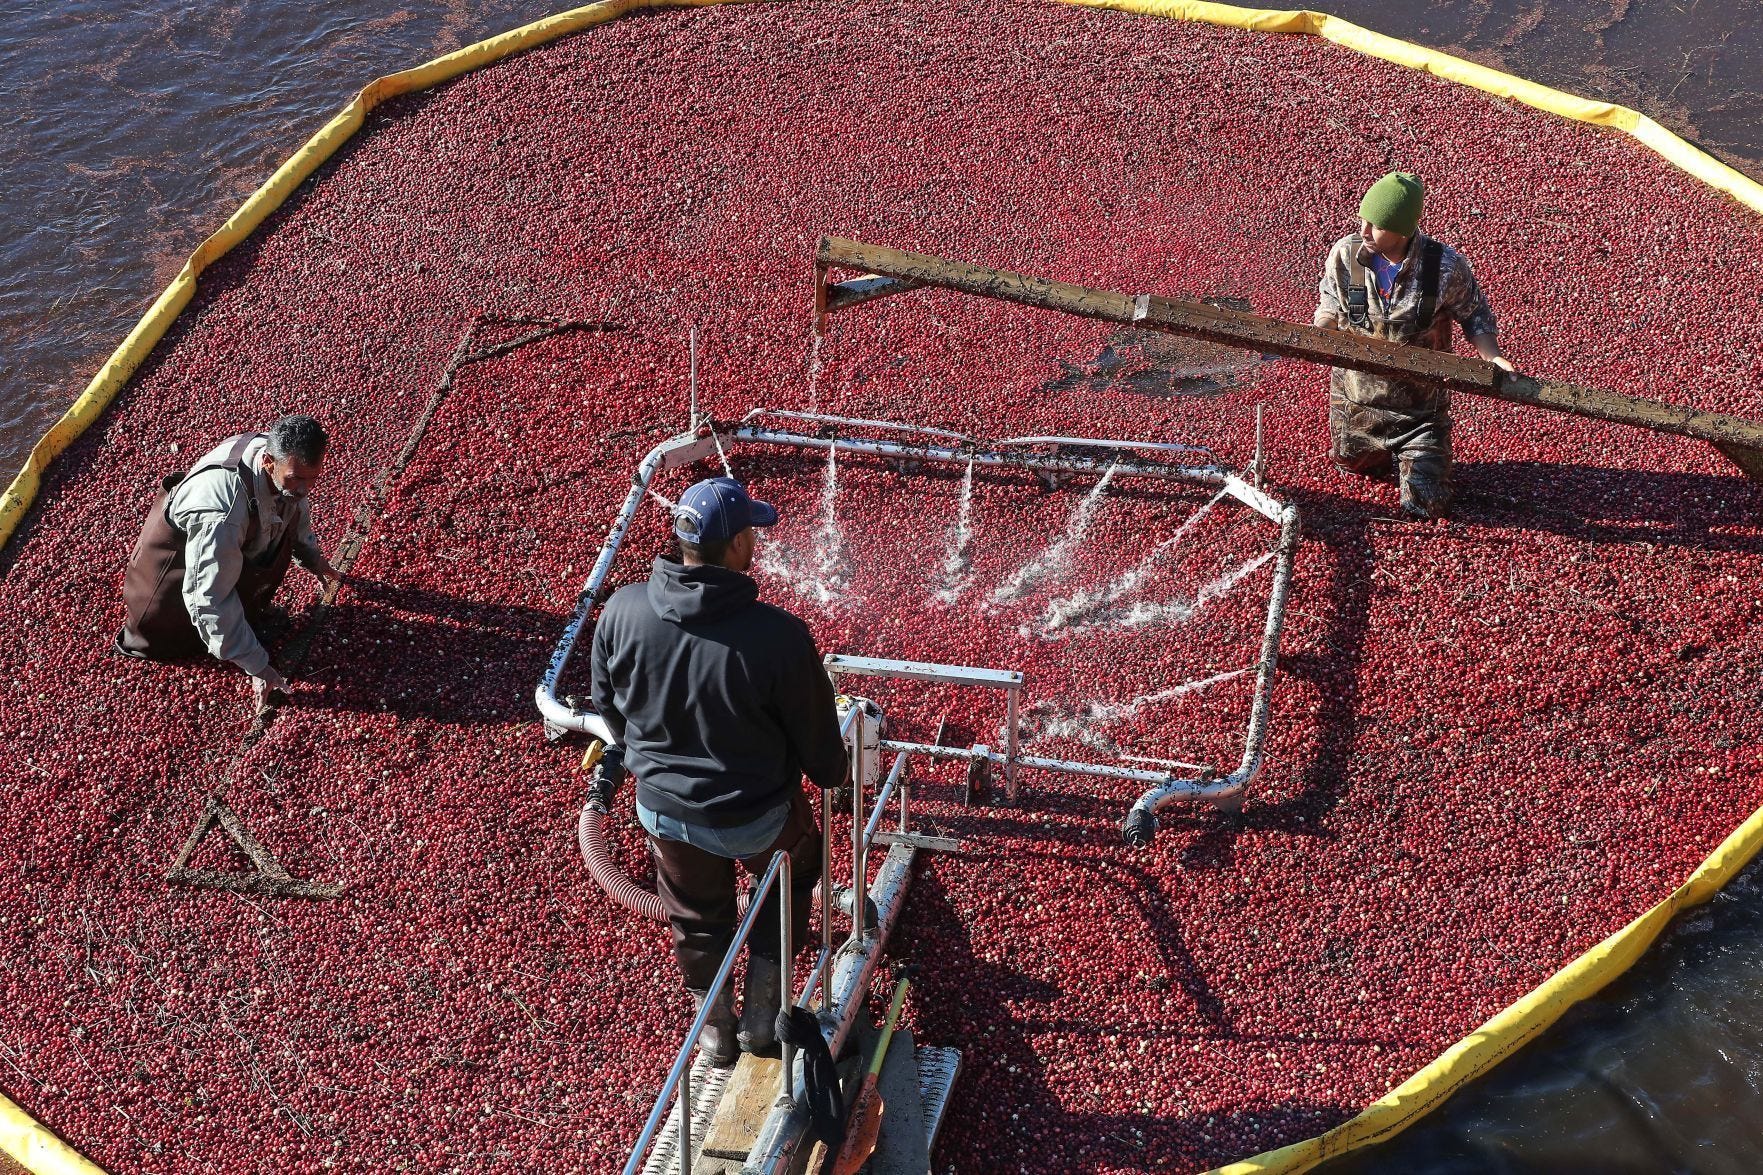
(886, 272)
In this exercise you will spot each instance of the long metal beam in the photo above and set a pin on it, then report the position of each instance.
(1739, 439)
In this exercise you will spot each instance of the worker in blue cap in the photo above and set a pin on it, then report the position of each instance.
(1391, 281)
(719, 704)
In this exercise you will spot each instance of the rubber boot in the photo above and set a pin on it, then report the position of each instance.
(717, 1042)
(759, 1005)
(1426, 487)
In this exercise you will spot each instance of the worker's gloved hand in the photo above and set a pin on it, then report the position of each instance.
(608, 774)
(270, 690)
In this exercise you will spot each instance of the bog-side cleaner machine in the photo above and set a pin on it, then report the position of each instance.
(755, 1118)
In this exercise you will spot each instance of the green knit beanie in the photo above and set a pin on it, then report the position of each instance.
(1393, 203)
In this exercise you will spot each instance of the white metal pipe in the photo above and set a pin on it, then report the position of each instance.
(1044, 462)
(858, 422)
(786, 951)
(1011, 736)
(859, 866)
(1141, 821)
(895, 774)
(1030, 762)
(693, 423)
(815, 975)
(1105, 443)
(685, 1121)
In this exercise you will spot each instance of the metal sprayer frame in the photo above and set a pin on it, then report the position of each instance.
(1047, 456)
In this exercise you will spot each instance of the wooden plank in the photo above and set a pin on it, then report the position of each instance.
(1738, 438)
(1745, 457)
(1300, 340)
(748, 1099)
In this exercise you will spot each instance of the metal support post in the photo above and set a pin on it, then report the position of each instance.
(905, 800)
(1011, 735)
(827, 889)
(859, 864)
(685, 1121)
(1260, 465)
(786, 905)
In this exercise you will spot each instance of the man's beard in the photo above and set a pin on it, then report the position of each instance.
(287, 495)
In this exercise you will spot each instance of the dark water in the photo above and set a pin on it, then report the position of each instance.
(133, 131)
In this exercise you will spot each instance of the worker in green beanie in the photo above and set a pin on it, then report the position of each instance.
(1391, 281)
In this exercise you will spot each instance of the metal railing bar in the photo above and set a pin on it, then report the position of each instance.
(1068, 463)
(816, 975)
(861, 422)
(882, 798)
(786, 950)
(859, 861)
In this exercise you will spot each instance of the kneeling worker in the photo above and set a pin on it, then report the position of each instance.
(1391, 281)
(216, 545)
(720, 705)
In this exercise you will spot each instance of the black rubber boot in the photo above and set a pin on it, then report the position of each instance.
(759, 1004)
(718, 1040)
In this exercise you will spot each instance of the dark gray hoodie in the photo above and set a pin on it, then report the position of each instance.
(719, 701)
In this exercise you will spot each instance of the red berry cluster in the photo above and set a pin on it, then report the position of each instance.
(1495, 739)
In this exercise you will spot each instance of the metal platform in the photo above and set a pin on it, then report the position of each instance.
(709, 1083)
(937, 1071)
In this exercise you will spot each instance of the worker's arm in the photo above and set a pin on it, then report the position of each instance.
(809, 715)
(1488, 347)
(213, 557)
(1460, 296)
(306, 549)
(604, 695)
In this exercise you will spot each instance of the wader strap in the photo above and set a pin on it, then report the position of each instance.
(233, 460)
(1432, 259)
(1358, 294)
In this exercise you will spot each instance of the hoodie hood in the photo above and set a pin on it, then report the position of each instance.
(698, 595)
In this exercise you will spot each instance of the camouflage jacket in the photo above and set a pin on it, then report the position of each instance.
(1459, 299)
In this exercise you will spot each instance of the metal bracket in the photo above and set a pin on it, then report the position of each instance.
(832, 297)
(1008, 680)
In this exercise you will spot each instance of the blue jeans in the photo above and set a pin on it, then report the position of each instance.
(741, 841)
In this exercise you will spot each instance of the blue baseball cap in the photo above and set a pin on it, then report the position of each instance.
(717, 509)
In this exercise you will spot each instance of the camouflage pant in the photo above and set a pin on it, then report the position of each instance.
(1415, 444)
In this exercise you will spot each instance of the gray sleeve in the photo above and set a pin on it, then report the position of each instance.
(306, 549)
(213, 556)
(1330, 301)
(1464, 301)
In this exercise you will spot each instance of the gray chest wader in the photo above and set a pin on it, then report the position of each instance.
(159, 626)
(1386, 427)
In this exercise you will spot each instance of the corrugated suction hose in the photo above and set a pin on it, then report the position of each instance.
(591, 831)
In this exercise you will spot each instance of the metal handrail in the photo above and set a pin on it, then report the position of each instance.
(679, 1077)
(895, 775)
(859, 422)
